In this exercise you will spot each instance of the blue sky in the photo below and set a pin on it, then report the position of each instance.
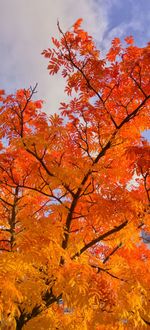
(26, 27)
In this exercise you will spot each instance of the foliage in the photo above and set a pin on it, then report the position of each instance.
(72, 255)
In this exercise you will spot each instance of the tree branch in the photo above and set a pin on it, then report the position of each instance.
(100, 238)
(111, 253)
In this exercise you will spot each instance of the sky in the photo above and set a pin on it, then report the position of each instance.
(26, 28)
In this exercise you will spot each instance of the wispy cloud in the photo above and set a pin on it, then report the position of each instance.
(26, 28)
(128, 17)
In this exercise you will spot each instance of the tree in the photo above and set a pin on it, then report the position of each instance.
(75, 193)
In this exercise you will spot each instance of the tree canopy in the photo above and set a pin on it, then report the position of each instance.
(75, 193)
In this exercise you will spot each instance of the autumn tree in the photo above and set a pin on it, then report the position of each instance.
(75, 193)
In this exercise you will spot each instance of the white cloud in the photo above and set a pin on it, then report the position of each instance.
(26, 27)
